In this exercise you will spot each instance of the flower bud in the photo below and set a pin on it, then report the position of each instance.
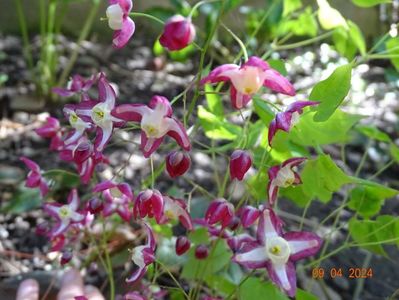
(178, 33)
(248, 215)
(66, 257)
(240, 162)
(50, 129)
(201, 252)
(177, 163)
(234, 223)
(219, 211)
(182, 245)
(95, 205)
(149, 203)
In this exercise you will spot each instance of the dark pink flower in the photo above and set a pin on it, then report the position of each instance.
(142, 256)
(219, 211)
(178, 33)
(240, 162)
(66, 257)
(65, 215)
(201, 252)
(247, 79)
(119, 20)
(235, 243)
(277, 251)
(287, 119)
(95, 206)
(283, 176)
(156, 121)
(176, 209)
(248, 215)
(51, 130)
(177, 163)
(77, 85)
(117, 198)
(182, 245)
(149, 203)
(34, 178)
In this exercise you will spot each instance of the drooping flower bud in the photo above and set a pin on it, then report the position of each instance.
(66, 257)
(177, 163)
(95, 205)
(220, 211)
(201, 252)
(149, 203)
(182, 245)
(178, 33)
(248, 215)
(240, 162)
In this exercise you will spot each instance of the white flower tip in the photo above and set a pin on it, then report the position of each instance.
(115, 16)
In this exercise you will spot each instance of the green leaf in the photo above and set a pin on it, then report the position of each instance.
(24, 199)
(304, 295)
(343, 43)
(369, 3)
(214, 101)
(310, 133)
(278, 65)
(291, 6)
(357, 37)
(394, 150)
(62, 178)
(216, 127)
(367, 200)
(329, 17)
(304, 25)
(183, 54)
(383, 229)
(215, 262)
(331, 92)
(220, 284)
(392, 46)
(157, 49)
(256, 288)
(373, 133)
(330, 178)
(263, 110)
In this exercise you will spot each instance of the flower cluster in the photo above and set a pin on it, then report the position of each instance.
(94, 119)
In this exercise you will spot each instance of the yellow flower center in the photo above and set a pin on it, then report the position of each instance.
(73, 118)
(169, 214)
(64, 212)
(98, 114)
(150, 130)
(275, 250)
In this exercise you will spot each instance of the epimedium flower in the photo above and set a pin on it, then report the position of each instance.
(283, 176)
(119, 21)
(117, 199)
(35, 178)
(277, 251)
(142, 256)
(287, 119)
(178, 33)
(248, 215)
(219, 211)
(99, 113)
(66, 214)
(156, 121)
(52, 130)
(201, 251)
(77, 85)
(247, 79)
(77, 123)
(182, 245)
(149, 203)
(176, 209)
(177, 163)
(240, 162)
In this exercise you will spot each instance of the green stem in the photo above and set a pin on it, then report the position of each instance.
(152, 172)
(83, 35)
(239, 285)
(144, 15)
(303, 43)
(242, 46)
(25, 37)
(198, 4)
(109, 264)
(383, 168)
(174, 279)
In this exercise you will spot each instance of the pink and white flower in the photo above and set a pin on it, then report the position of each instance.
(77, 85)
(277, 251)
(178, 33)
(66, 215)
(52, 130)
(118, 198)
(248, 215)
(287, 119)
(176, 209)
(99, 113)
(142, 256)
(283, 176)
(156, 121)
(219, 211)
(247, 79)
(34, 178)
(119, 20)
